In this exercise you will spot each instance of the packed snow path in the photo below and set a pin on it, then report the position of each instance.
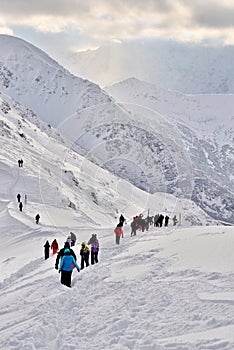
(135, 298)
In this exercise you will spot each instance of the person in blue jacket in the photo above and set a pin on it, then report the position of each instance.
(66, 266)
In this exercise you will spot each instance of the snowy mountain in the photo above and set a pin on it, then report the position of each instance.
(189, 68)
(154, 153)
(168, 288)
(32, 78)
(54, 176)
(204, 124)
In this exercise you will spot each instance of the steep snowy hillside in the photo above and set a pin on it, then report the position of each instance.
(31, 77)
(206, 126)
(54, 178)
(167, 288)
(130, 141)
(168, 64)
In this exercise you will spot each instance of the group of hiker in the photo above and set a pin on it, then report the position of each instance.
(66, 259)
(54, 247)
(142, 224)
(19, 197)
(37, 217)
(20, 162)
(119, 229)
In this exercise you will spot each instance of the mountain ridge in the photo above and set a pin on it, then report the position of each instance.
(205, 123)
(189, 68)
(149, 147)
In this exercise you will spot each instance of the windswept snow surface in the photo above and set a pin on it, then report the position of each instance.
(164, 289)
(168, 288)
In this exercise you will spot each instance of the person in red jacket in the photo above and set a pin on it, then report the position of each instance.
(118, 233)
(54, 246)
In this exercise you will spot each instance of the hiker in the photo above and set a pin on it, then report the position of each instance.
(25, 199)
(18, 197)
(37, 217)
(20, 206)
(147, 223)
(118, 233)
(156, 219)
(84, 253)
(68, 239)
(20, 162)
(61, 253)
(73, 239)
(66, 267)
(134, 226)
(159, 222)
(166, 220)
(174, 219)
(94, 248)
(54, 246)
(121, 220)
(47, 250)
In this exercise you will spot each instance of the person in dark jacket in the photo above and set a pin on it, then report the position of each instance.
(20, 206)
(121, 220)
(94, 248)
(84, 253)
(37, 218)
(156, 220)
(166, 220)
(66, 267)
(73, 239)
(18, 197)
(47, 250)
(61, 254)
(159, 222)
(134, 227)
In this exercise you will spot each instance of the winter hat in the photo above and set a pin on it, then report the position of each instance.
(66, 245)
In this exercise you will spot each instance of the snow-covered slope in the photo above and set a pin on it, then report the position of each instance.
(54, 176)
(131, 141)
(31, 77)
(168, 288)
(168, 64)
(83, 112)
(205, 124)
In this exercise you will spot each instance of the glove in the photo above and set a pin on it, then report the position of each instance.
(59, 271)
(78, 270)
(56, 267)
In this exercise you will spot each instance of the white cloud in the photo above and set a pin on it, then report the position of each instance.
(106, 20)
(6, 30)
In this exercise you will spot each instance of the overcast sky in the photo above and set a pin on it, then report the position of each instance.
(58, 26)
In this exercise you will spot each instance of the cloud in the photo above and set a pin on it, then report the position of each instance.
(108, 20)
(213, 14)
(6, 30)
